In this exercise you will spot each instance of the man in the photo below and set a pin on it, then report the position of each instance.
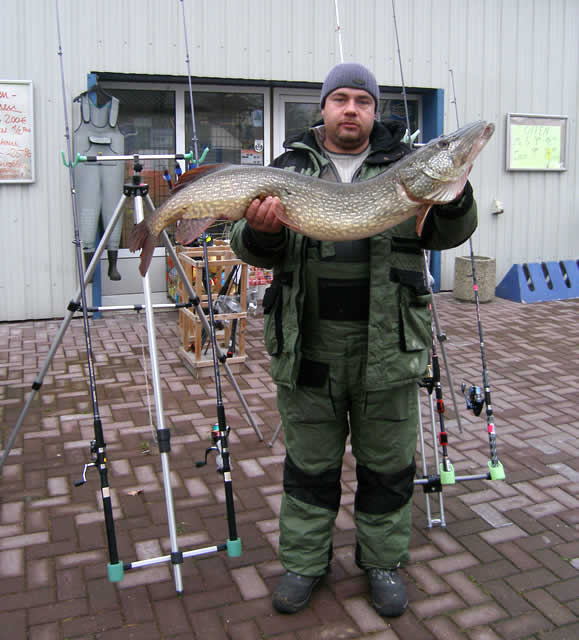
(348, 329)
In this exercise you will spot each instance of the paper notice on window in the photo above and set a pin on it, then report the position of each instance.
(253, 156)
(16, 131)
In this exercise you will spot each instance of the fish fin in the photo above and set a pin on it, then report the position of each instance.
(196, 174)
(449, 191)
(283, 218)
(421, 218)
(188, 229)
(141, 238)
(138, 236)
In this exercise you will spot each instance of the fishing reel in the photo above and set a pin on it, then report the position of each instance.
(93, 454)
(216, 448)
(474, 398)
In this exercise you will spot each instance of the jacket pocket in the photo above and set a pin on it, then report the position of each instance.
(415, 321)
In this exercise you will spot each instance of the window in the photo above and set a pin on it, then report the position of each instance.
(231, 122)
(230, 125)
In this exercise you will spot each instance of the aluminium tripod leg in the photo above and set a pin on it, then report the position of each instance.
(163, 434)
(276, 434)
(221, 357)
(431, 484)
(72, 309)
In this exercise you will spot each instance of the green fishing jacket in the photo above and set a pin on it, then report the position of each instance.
(399, 327)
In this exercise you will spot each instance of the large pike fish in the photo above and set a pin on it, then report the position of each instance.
(433, 174)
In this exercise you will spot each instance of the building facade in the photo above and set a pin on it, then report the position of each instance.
(256, 67)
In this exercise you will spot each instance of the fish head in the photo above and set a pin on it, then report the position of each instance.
(437, 172)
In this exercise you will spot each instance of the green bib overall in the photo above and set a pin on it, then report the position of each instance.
(330, 403)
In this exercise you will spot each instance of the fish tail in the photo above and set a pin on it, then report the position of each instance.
(141, 238)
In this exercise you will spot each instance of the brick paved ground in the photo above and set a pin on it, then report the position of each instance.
(505, 566)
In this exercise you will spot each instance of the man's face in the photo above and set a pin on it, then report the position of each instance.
(349, 117)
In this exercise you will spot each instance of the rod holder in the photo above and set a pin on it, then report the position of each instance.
(496, 471)
(234, 548)
(447, 477)
(116, 571)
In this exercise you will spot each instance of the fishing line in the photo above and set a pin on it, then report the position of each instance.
(98, 446)
(496, 470)
(339, 31)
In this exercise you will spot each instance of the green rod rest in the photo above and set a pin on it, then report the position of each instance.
(497, 471)
(189, 156)
(76, 160)
(234, 548)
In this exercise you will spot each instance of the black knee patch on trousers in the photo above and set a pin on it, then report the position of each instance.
(321, 490)
(384, 492)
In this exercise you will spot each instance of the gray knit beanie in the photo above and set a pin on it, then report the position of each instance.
(353, 76)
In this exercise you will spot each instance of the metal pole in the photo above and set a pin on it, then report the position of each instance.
(163, 434)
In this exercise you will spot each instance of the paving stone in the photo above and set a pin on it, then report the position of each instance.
(49, 631)
(509, 598)
(523, 626)
(17, 542)
(532, 579)
(11, 563)
(426, 579)
(439, 605)
(565, 590)
(443, 628)
(249, 583)
(470, 592)
(453, 563)
(558, 614)
(510, 532)
(172, 616)
(477, 615)
(482, 633)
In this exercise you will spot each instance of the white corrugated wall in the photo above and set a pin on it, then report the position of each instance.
(506, 55)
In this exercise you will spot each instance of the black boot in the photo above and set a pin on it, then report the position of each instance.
(389, 595)
(113, 272)
(88, 255)
(293, 592)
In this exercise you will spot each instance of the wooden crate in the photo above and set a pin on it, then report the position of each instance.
(195, 349)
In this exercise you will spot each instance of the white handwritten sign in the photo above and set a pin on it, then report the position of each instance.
(16, 131)
(536, 142)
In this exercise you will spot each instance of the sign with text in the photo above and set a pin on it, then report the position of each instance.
(16, 131)
(536, 142)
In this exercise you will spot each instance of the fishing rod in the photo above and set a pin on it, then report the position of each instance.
(220, 430)
(446, 469)
(98, 446)
(475, 401)
(406, 110)
(410, 138)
